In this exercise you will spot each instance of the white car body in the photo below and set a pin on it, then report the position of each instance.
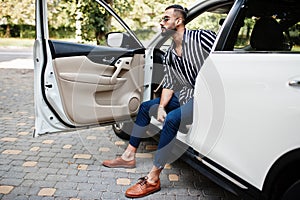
(251, 116)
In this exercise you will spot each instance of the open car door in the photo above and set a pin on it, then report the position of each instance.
(79, 85)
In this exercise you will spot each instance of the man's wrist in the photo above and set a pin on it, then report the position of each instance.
(161, 106)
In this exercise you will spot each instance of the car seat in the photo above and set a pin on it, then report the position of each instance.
(267, 35)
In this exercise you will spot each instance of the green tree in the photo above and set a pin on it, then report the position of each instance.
(140, 15)
(95, 21)
(208, 21)
(16, 13)
(145, 15)
(88, 16)
(59, 12)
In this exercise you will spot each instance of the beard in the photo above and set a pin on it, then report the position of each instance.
(168, 32)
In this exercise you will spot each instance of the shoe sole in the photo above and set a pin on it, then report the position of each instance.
(120, 166)
(140, 196)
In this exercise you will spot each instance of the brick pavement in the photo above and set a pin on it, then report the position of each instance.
(68, 165)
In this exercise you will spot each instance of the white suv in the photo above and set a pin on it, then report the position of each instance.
(247, 96)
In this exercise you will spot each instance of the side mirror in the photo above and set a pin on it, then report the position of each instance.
(122, 40)
(114, 39)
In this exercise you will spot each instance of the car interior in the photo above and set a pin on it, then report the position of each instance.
(266, 26)
(266, 35)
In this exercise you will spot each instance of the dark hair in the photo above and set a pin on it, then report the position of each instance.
(180, 9)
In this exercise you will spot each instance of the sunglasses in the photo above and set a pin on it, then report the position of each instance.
(165, 18)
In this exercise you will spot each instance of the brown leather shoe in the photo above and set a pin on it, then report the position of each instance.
(119, 163)
(142, 188)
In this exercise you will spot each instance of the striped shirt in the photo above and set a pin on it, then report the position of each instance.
(181, 72)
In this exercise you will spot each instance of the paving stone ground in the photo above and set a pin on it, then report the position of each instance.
(68, 165)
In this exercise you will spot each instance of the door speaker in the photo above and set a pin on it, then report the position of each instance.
(133, 105)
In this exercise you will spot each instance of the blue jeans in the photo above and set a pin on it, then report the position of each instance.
(177, 115)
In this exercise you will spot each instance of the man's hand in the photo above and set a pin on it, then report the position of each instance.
(165, 97)
(161, 114)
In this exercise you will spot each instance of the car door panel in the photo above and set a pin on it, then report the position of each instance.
(95, 90)
(99, 54)
(82, 85)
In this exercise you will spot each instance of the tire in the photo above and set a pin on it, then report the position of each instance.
(287, 187)
(292, 192)
(123, 129)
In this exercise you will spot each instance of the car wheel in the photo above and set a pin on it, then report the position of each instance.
(286, 187)
(123, 129)
(292, 192)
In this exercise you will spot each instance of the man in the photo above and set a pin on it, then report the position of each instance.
(182, 63)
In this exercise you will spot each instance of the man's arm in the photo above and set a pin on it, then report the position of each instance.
(166, 96)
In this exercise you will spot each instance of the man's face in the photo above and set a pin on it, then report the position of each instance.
(167, 22)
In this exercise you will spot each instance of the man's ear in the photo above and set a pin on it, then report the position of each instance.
(179, 21)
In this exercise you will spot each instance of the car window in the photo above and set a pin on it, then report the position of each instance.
(294, 35)
(208, 21)
(256, 35)
(271, 29)
(87, 25)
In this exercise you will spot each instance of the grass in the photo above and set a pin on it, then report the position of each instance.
(20, 42)
(17, 42)
(296, 48)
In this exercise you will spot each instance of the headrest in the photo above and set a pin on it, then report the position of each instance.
(267, 35)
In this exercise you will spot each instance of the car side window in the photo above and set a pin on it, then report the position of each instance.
(243, 39)
(208, 21)
(293, 37)
(271, 32)
(89, 25)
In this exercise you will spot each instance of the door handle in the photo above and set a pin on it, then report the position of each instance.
(122, 63)
(294, 83)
